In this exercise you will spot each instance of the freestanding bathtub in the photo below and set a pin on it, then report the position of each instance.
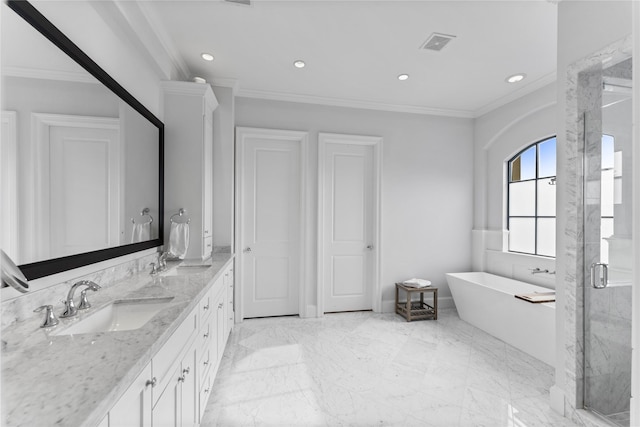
(487, 301)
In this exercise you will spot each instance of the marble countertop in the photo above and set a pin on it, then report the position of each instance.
(73, 380)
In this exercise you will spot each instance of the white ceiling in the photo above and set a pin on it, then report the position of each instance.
(355, 50)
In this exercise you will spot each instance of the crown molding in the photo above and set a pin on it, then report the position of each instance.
(234, 84)
(191, 89)
(352, 103)
(524, 90)
(37, 73)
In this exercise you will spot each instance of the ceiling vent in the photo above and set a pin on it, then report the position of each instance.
(437, 41)
(244, 2)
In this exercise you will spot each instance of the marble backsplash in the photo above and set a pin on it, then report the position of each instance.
(20, 308)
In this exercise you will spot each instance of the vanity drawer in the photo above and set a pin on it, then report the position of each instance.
(204, 365)
(205, 336)
(205, 392)
(163, 362)
(207, 245)
(205, 308)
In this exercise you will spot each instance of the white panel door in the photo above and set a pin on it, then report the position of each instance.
(348, 227)
(84, 189)
(271, 226)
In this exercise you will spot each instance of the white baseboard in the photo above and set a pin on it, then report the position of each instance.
(388, 306)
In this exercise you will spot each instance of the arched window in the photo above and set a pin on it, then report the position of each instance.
(531, 206)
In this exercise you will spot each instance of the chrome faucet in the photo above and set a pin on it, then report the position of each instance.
(71, 309)
(162, 260)
(50, 318)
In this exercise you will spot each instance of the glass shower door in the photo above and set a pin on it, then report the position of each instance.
(608, 249)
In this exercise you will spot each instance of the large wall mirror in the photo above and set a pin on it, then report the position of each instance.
(82, 159)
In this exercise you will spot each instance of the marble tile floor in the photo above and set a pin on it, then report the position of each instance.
(368, 369)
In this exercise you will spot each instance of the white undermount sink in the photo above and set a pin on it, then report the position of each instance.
(120, 315)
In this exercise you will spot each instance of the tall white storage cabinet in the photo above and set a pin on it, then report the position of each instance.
(188, 172)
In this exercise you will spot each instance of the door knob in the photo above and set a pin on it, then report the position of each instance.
(247, 249)
(370, 247)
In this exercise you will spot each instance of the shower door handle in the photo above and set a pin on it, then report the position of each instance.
(602, 279)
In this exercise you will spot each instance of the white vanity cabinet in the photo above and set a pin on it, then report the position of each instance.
(164, 393)
(188, 173)
(214, 331)
(177, 404)
(230, 315)
(174, 387)
(133, 409)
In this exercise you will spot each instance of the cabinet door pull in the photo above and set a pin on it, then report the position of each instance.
(152, 382)
(206, 307)
(206, 335)
(186, 371)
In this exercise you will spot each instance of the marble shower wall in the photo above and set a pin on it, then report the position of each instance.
(608, 349)
(607, 311)
(584, 131)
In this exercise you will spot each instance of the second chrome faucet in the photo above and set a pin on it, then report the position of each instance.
(70, 306)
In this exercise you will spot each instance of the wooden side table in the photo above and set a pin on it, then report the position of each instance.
(416, 310)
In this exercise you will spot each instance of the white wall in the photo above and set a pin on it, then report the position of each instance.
(427, 184)
(498, 136)
(584, 27)
(141, 160)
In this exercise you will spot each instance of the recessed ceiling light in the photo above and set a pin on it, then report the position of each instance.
(515, 78)
(207, 56)
(403, 77)
(299, 63)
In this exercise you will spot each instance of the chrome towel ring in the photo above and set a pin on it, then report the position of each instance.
(181, 213)
(144, 214)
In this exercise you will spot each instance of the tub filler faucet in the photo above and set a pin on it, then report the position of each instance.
(538, 271)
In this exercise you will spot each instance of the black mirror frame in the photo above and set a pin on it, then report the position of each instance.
(39, 269)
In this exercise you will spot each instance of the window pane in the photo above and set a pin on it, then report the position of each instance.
(547, 236)
(607, 151)
(524, 166)
(547, 158)
(546, 198)
(522, 235)
(522, 198)
(606, 193)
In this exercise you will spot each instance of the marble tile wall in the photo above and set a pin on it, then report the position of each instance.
(583, 129)
(608, 349)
